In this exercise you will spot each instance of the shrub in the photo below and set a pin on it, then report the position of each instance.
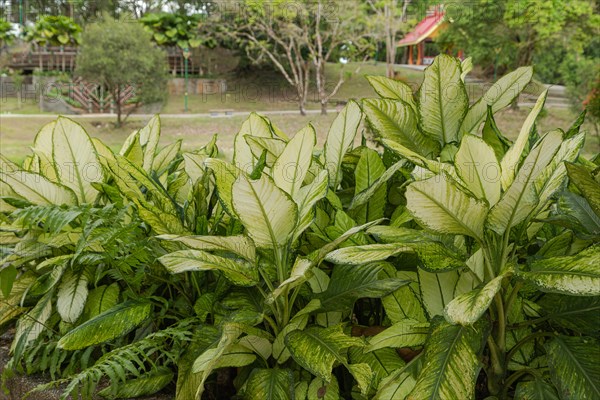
(307, 273)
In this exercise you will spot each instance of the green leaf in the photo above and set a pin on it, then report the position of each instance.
(405, 333)
(404, 302)
(273, 146)
(316, 349)
(362, 197)
(451, 363)
(399, 383)
(30, 326)
(238, 272)
(255, 125)
(467, 308)
(349, 283)
(72, 295)
(270, 384)
(7, 278)
(382, 362)
(225, 175)
(395, 120)
(37, 189)
(100, 299)
(306, 199)
(75, 159)
(574, 367)
(581, 314)
(320, 389)
(440, 204)
(437, 290)
(435, 256)
(145, 385)
(589, 188)
(149, 136)
(392, 89)
(466, 66)
(551, 180)
(233, 355)
(358, 255)
(443, 100)
(537, 389)
(493, 137)
(478, 168)
(510, 161)
(117, 321)
(500, 95)
(363, 375)
(339, 139)
(521, 199)
(368, 169)
(577, 275)
(267, 212)
(237, 244)
(164, 157)
(293, 164)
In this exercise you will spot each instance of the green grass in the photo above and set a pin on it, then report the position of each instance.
(29, 106)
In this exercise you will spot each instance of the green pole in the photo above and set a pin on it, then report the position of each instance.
(186, 55)
(21, 12)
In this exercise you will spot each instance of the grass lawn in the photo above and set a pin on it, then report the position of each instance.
(17, 134)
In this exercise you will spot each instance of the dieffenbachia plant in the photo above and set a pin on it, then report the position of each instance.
(500, 284)
(285, 326)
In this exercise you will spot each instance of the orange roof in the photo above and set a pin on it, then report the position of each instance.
(423, 30)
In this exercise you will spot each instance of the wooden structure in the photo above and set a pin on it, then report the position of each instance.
(47, 58)
(93, 98)
(424, 33)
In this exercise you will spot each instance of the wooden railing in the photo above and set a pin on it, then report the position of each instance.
(93, 98)
(47, 58)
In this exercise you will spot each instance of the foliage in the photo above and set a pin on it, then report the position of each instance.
(519, 32)
(118, 55)
(6, 34)
(54, 30)
(292, 272)
(174, 29)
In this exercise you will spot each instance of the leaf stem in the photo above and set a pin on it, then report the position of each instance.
(513, 378)
(523, 341)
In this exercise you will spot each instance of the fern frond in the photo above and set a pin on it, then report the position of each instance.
(50, 219)
(162, 348)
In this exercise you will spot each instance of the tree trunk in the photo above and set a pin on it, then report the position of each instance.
(118, 104)
(323, 108)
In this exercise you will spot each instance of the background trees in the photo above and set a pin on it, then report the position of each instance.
(117, 54)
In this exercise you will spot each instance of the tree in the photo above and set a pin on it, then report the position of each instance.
(116, 55)
(295, 38)
(390, 16)
(510, 33)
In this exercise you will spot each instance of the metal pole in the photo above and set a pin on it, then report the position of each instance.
(185, 72)
(21, 12)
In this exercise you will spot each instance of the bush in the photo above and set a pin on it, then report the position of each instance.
(300, 273)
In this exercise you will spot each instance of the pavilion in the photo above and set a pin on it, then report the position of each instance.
(422, 37)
